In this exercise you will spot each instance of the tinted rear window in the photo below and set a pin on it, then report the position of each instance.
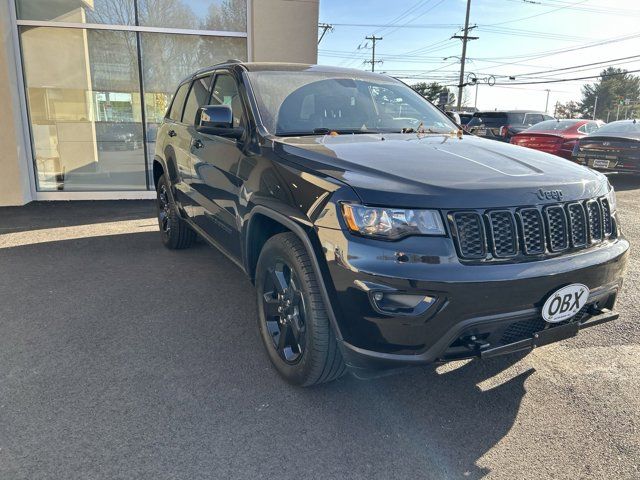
(552, 126)
(490, 119)
(620, 128)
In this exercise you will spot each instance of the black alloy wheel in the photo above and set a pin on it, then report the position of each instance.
(285, 313)
(292, 317)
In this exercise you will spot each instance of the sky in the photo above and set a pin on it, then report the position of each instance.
(519, 38)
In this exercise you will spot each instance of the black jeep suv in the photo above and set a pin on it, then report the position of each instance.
(378, 235)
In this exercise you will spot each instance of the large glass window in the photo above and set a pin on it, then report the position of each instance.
(168, 59)
(88, 119)
(112, 12)
(84, 108)
(224, 15)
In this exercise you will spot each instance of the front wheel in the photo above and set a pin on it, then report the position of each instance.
(293, 322)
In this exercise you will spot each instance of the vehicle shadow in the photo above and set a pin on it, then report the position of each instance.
(448, 419)
(623, 182)
(41, 215)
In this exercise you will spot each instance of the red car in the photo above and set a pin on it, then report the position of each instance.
(556, 136)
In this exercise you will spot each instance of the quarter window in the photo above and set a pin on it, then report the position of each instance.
(178, 102)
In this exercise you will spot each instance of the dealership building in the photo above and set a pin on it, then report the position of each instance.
(85, 83)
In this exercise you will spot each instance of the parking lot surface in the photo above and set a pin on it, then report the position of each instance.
(120, 359)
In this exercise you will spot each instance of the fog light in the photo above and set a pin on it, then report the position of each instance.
(402, 303)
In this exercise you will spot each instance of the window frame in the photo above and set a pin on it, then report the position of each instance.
(229, 73)
(167, 115)
(193, 80)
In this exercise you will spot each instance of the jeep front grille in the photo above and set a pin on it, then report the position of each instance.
(470, 234)
(530, 231)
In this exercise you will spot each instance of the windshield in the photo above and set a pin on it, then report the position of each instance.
(552, 126)
(308, 102)
(620, 128)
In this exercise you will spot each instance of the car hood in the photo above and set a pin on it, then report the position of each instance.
(443, 171)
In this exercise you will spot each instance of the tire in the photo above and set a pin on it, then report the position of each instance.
(174, 231)
(307, 353)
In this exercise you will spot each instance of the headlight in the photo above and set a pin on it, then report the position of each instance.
(391, 223)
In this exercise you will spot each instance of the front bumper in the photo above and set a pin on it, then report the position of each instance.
(477, 308)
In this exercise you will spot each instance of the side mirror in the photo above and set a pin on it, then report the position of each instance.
(217, 120)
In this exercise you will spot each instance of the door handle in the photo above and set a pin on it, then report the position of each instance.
(172, 133)
(198, 144)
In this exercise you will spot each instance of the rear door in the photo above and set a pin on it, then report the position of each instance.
(215, 161)
(197, 97)
(172, 137)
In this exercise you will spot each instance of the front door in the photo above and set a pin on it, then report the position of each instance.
(215, 165)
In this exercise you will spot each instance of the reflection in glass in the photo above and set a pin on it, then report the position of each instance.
(112, 12)
(225, 15)
(84, 108)
(185, 54)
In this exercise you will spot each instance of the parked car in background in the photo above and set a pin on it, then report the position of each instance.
(503, 125)
(613, 147)
(465, 118)
(556, 136)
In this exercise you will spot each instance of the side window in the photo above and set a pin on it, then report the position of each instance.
(592, 127)
(198, 97)
(178, 102)
(533, 118)
(584, 128)
(225, 92)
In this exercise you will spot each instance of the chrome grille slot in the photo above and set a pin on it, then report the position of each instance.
(607, 222)
(557, 228)
(470, 235)
(503, 233)
(594, 217)
(577, 224)
(532, 231)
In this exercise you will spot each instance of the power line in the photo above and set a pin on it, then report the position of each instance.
(536, 15)
(590, 9)
(572, 79)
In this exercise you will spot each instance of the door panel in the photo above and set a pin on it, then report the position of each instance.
(215, 172)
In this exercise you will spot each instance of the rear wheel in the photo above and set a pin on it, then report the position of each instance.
(174, 231)
(293, 321)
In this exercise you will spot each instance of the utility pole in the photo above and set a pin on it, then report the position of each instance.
(618, 114)
(324, 27)
(475, 104)
(465, 38)
(595, 107)
(373, 60)
(546, 106)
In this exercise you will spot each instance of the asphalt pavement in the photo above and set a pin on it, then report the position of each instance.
(120, 359)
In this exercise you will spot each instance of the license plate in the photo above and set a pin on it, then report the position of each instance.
(565, 303)
(601, 163)
(481, 131)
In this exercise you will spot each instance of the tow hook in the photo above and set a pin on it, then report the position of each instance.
(475, 344)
